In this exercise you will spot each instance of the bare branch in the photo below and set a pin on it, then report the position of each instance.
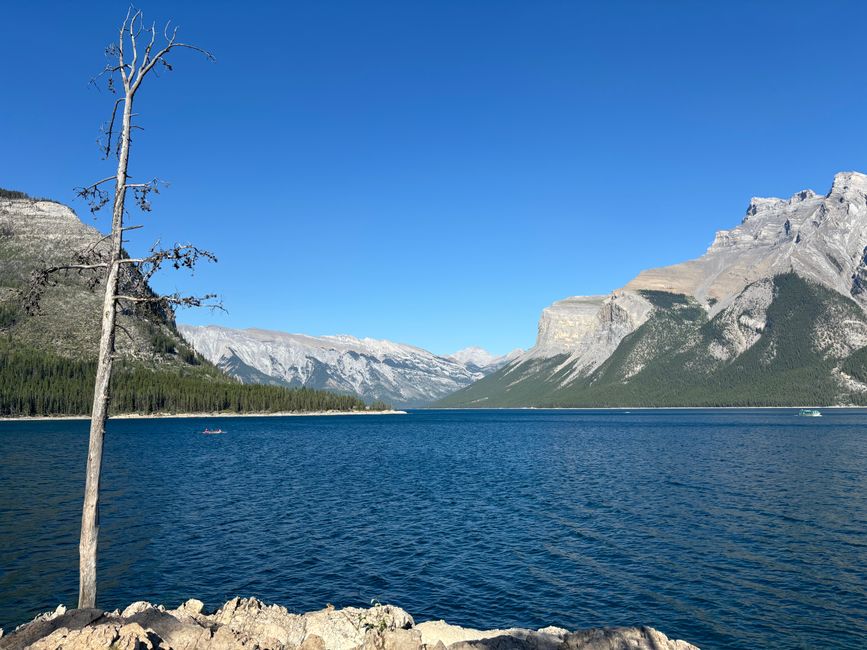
(103, 181)
(94, 194)
(124, 330)
(178, 256)
(141, 191)
(76, 267)
(132, 43)
(147, 54)
(175, 300)
(160, 56)
(120, 51)
(109, 130)
(41, 279)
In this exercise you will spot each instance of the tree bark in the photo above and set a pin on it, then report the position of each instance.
(87, 547)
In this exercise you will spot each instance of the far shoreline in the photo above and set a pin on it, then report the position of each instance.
(169, 416)
(628, 408)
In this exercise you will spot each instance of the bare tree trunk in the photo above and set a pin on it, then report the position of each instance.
(131, 71)
(102, 387)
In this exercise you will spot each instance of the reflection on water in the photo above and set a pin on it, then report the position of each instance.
(730, 529)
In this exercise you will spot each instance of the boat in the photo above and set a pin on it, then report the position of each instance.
(809, 413)
(213, 431)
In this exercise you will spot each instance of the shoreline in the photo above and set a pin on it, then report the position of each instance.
(286, 414)
(632, 408)
(169, 416)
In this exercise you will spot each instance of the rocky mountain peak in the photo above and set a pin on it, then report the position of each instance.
(849, 185)
(822, 238)
(761, 204)
(803, 195)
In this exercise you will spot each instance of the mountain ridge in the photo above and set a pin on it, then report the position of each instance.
(375, 369)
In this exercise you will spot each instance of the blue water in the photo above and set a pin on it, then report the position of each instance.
(730, 529)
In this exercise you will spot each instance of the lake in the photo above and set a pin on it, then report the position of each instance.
(726, 528)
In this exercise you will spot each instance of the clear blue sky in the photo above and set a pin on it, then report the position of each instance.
(437, 172)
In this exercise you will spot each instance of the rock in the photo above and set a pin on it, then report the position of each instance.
(623, 638)
(179, 631)
(433, 632)
(269, 625)
(249, 624)
(191, 608)
(313, 642)
(45, 624)
(399, 639)
(117, 637)
(347, 628)
(136, 608)
(553, 631)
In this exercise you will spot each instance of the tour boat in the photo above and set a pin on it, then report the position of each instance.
(809, 413)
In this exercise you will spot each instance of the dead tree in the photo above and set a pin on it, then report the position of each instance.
(134, 56)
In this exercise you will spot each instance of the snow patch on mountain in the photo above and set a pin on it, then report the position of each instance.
(480, 360)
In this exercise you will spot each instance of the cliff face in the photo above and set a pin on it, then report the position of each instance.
(588, 328)
(725, 298)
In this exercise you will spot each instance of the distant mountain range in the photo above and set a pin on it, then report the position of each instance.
(398, 374)
(772, 314)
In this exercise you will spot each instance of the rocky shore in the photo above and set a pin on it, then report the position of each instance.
(249, 624)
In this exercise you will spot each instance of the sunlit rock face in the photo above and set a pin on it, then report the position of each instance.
(587, 328)
(565, 324)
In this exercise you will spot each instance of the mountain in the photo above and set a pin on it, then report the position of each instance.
(480, 360)
(37, 234)
(401, 375)
(772, 314)
(48, 358)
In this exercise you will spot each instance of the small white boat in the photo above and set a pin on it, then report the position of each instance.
(809, 413)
